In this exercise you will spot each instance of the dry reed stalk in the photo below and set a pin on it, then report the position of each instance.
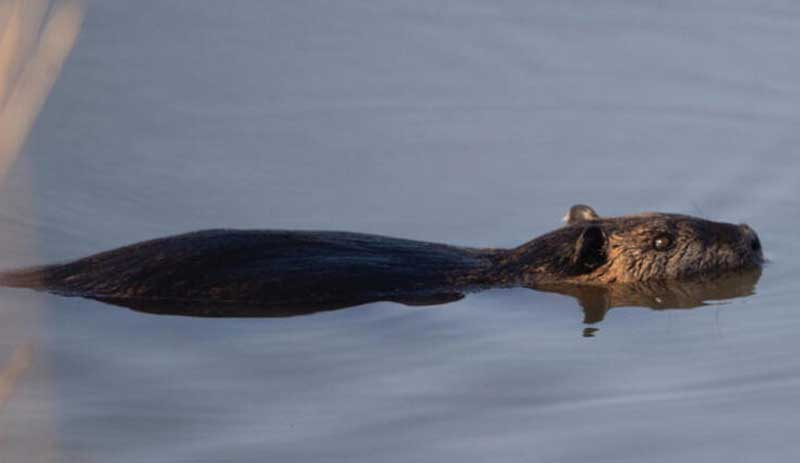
(33, 46)
(35, 39)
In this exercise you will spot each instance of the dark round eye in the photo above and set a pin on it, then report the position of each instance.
(662, 243)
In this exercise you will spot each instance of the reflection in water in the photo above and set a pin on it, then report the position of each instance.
(286, 308)
(13, 369)
(659, 295)
(596, 301)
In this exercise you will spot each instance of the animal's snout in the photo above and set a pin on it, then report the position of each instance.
(751, 239)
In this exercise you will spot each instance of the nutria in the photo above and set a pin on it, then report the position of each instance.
(277, 273)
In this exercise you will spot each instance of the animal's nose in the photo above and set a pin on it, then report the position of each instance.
(751, 238)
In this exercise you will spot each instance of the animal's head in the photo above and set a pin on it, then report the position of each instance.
(651, 246)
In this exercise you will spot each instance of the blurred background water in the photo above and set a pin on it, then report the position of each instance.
(471, 123)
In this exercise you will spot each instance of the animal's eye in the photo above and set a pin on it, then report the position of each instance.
(662, 242)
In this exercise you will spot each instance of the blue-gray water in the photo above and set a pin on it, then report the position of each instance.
(472, 123)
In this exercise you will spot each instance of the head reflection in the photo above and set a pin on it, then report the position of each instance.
(596, 301)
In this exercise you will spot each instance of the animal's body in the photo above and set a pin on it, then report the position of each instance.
(220, 269)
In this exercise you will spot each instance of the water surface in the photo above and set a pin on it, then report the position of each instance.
(469, 123)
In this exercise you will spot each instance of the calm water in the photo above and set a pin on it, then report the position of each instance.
(471, 123)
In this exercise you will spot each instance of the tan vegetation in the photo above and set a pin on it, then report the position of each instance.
(35, 39)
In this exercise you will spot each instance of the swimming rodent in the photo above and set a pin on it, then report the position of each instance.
(277, 273)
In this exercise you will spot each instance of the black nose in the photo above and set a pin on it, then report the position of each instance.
(751, 237)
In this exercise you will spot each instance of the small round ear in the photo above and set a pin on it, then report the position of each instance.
(590, 249)
(580, 213)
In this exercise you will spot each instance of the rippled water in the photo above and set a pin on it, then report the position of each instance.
(470, 123)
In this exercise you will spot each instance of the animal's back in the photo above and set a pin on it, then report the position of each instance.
(257, 266)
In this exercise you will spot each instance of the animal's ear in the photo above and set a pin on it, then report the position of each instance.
(580, 213)
(591, 249)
